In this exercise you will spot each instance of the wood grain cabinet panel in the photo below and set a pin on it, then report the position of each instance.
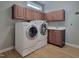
(47, 17)
(51, 36)
(29, 14)
(43, 16)
(26, 14)
(55, 15)
(38, 15)
(60, 15)
(56, 37)
(18, 12)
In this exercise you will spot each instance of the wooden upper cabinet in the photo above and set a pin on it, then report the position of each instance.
(18, 12)
(38, 15)
(29, 14)
(26, 14)
(55, 15)
(23, 13)
(48, 17)
(60, 15)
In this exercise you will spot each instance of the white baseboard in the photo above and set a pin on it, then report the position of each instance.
(7, 49)
(72, 45)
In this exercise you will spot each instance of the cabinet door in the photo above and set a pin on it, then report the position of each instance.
(51, 37)
(38, 15)
(58, 39)
(29, 14)
(51, 16)
(48, 17)
(42, 15)
(18, 12)
(55, 15)
(60, 15)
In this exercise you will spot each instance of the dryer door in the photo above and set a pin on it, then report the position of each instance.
(43, 29)
(31, 37)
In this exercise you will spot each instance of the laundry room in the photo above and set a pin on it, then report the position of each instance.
(39, 29)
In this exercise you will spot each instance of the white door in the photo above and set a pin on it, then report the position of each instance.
(72, 30)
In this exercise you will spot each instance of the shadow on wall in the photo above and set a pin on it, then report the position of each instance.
(9, 39)
(7, 29)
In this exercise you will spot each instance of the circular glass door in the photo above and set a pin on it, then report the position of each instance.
(32, 32)
(43, 29)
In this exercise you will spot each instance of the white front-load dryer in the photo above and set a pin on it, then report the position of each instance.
(25, 38)
(42, 32)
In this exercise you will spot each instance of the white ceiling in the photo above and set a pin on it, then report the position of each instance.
(54, 2)
(45, 2)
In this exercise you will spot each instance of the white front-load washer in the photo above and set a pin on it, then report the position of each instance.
(42, 32)
(26, 35)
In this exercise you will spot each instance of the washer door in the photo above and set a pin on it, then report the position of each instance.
(31, 37)
(43, 29)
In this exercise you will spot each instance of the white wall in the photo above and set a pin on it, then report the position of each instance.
(72, 32)
(7, 24)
